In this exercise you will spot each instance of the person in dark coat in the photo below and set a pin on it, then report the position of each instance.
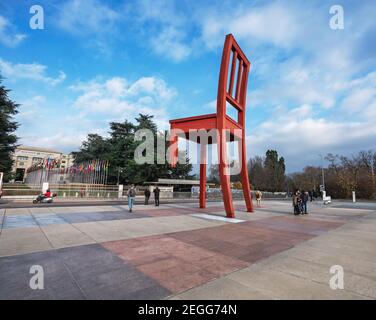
(156, 192)
(295, 202)
(304, 199)
(147, 196)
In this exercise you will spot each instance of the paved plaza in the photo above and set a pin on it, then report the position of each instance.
(177, 251)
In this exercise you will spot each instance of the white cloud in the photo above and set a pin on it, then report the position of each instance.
(170, 43)
(300, 136)
(84, 17)
(60, 141)
(117, 97)
(116, 86)
(8, 35)
(30, 71)
(273, 23)
(359, 99)
(153, 86)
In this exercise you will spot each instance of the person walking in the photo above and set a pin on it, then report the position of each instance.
(156, 192)
(310, 194)
(304, 197)
(258, 198)
(147, 196)
(131, 196)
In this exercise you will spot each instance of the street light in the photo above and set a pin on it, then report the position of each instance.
(322, 171)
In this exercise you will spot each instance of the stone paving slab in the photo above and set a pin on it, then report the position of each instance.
(17, 211)
(2, 215)
(19, 221)
(319, 272)
(279, 285)
(354, 263)
(221, 289)
(22, 240)
(43, 219)
(15, 277)
(65, 235)
(85, 272)
(98, 216)
(162, 212)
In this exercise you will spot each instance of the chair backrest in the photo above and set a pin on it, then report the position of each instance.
(233, 78)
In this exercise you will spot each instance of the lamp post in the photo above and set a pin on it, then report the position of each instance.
(118, 177)
(322, 171)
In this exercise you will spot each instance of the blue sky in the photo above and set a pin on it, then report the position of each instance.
(312, 90)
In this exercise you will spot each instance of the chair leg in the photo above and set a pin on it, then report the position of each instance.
(244, 176)
(203, 176)
(224, 176)
(173, 150)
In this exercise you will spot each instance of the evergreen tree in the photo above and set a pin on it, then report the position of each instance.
(8, 140)
(274, 171)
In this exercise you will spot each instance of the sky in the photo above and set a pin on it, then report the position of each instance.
(311, 89)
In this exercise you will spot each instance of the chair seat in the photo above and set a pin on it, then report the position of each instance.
(205, 122)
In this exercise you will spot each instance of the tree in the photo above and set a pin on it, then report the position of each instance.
(307, 180)
(256, 173)
(274, 171)
(8, 140)
(343, 175)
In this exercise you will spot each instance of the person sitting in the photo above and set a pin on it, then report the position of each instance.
(47, 194)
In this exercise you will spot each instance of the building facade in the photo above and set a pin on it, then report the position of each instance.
(25, 157)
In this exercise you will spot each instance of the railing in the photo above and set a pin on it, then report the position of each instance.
(78, 191)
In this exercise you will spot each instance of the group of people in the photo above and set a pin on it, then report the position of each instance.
(132, 195)
(299, 202)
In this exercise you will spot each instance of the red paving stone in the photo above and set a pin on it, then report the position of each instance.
(182, 260)
(174, 264)
(298, 225)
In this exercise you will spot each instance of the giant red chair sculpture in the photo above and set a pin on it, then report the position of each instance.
(226, 126)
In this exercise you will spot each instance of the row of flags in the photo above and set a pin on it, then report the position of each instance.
(86, 167)
(48, 163)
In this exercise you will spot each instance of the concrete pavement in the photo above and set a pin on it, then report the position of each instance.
(177, 251)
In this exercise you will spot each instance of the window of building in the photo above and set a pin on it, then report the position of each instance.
(22, 158)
